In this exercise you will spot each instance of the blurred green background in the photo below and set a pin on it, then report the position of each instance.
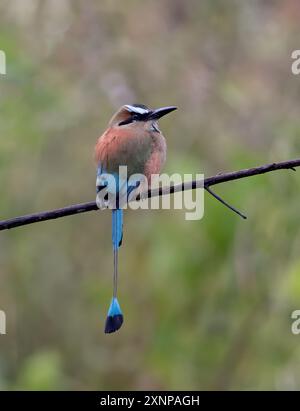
(207, 303)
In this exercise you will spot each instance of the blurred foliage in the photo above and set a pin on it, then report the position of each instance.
(40, 372)
(207, 303)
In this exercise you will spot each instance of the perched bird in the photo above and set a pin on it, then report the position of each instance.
(134, 140)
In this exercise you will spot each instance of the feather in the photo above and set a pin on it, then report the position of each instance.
(117, 228)
(114, 319)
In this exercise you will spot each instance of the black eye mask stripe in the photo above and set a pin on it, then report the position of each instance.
(134, 117)
(128, 121)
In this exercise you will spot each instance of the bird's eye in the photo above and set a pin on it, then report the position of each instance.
(135, 117)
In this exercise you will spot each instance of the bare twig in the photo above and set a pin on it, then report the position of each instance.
(224, 202)
(206, 183)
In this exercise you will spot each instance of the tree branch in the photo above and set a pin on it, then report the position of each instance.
(206, 183)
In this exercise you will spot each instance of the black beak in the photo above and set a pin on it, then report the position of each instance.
(160, 112)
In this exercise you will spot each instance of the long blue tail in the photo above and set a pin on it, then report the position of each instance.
(114, 319)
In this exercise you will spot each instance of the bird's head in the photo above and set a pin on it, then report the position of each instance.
(138, 113)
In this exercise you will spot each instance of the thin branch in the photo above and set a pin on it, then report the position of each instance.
(207, 182)
(209, 190)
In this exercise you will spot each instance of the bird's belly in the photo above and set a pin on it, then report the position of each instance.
(157, 158)
(139, 154)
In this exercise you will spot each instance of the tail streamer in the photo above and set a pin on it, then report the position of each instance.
(114, 319)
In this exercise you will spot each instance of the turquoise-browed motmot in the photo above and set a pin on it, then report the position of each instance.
(132, 139)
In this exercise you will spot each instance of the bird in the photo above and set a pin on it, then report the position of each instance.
(132, 139)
